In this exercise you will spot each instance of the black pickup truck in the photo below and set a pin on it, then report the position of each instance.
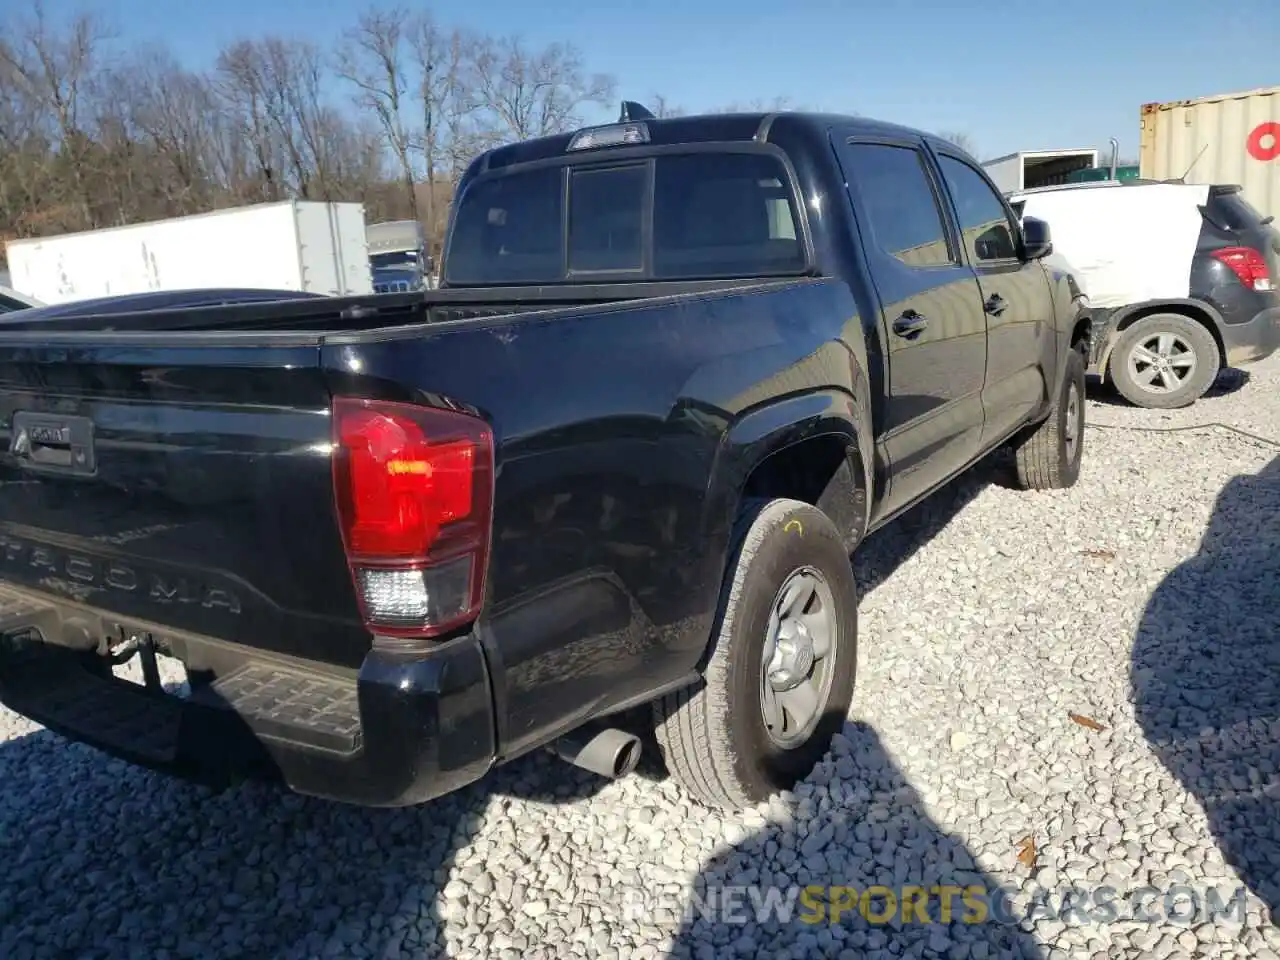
(675, 372)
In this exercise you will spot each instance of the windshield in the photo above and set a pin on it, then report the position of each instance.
(675, 217)
(397, 260)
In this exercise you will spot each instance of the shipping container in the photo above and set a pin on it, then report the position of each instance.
(1037, 168)
(1228, 138)
(299, 245)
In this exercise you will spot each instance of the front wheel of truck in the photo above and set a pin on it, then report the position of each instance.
(1049, 457)
(780, 677)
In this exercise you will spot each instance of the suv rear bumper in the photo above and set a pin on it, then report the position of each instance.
(1253, 340)
(400, 732)
(1246, 342)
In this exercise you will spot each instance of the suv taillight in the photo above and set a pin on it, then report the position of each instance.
(1247, 264)
(414, 490)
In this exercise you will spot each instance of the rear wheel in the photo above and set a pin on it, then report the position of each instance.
(780, 678)
(1164, 361)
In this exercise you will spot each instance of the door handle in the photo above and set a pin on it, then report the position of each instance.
(910, 325)
(995, 304)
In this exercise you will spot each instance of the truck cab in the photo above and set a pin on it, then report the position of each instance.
(398, 256)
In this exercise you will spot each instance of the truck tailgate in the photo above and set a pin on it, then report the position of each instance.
(186, 488)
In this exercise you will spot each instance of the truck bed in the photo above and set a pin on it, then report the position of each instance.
(355, 314)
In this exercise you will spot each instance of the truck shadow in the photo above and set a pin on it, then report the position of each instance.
(101, 856)
(1206, 677)
(888, 548)
(853, 864)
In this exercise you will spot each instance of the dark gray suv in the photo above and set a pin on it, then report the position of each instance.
(1167, 352)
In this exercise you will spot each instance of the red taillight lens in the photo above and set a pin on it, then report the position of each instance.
(1247, 264)
(414, 489)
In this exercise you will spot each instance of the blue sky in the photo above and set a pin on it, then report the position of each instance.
(1011, 75)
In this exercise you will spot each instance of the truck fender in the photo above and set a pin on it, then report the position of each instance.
(828, 429)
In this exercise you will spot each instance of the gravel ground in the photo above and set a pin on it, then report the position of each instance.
(1246, 399)
(1144, 601)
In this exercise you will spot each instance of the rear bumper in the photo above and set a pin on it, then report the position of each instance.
(1254, 340)
(400, 732)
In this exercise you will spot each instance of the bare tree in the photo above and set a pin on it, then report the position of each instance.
(174, 114)
(961, 140)
(374, 59)
(448, 108)
(55, 70)
(275, 89)
(758, 105)
(95, 132)
(535, 93)
(661, 107)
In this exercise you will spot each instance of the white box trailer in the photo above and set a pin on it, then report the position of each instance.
(1037, 168)
(1229, 138)
(309, 246)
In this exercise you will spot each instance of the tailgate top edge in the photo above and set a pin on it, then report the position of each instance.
(152, 338)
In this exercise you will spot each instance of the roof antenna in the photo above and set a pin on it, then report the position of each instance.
(1183, 178)
(634, 111)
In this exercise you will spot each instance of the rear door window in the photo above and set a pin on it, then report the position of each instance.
(900, 203)
(672, 217)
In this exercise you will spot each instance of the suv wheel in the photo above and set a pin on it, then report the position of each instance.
(780, 677)
(1164, 361)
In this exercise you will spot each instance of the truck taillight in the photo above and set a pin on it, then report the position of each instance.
(1247, 264)
(414, 490)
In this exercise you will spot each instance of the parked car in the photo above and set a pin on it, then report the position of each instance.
(11, 300)
(1182, 279)
(676, 371)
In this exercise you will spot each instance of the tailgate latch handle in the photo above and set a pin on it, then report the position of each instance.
(47, 442)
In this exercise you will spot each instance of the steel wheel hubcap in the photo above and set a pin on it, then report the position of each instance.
(1162, 362)
(1073, 420)
(797, 666)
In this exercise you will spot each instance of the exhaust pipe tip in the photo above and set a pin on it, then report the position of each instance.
(609, 753)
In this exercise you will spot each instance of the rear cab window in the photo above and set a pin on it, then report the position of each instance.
(675, 216)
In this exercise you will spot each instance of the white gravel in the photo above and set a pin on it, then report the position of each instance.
(1245, 399)
(1146, 599)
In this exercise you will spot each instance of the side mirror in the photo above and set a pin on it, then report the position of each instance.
(1036, 239)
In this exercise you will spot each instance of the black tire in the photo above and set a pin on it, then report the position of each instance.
(1048, 459)
(712, 736)
(1187, 335)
